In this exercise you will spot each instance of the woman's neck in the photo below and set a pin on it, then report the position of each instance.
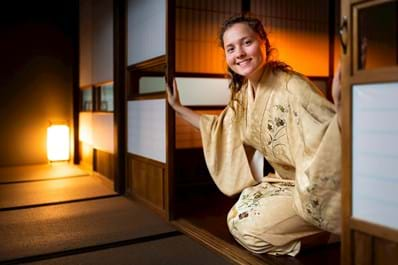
(255, 79)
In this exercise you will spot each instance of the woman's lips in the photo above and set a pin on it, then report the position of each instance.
(243, 62)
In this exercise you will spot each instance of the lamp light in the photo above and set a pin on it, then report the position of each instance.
(58, 142)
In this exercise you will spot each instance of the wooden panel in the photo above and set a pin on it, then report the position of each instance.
(146, 181)
(386, 252)
(362, 249)
(104, 164)
(346, 130)
(188, 136)
(375, 230)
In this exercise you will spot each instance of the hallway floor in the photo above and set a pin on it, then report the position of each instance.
(59, 214)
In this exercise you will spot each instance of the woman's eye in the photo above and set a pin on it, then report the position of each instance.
(248, 42)
(230, 50)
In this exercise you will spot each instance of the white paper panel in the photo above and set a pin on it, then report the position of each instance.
(96, 41)
(203, 91)
(85, 42)
(146, 30)
(86, 127)
(103, 132)
(150, 84)
(102, 43)
(146, 123)
(375, 153)
(96, 129)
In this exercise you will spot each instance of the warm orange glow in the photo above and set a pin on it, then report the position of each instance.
(58, 142)
(307, 52)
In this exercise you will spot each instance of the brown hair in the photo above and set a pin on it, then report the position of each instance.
(255, 24)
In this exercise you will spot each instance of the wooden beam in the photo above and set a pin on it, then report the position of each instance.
(120, 104)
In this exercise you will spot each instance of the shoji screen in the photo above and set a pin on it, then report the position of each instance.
(96, 130)
(204, 94)
(96, 68)
(146, 30)
(299, 32)
(96, 41)
(146, 129)
(102, 45)
(85, 38)
(146, 135)
(198, 54)
(198, 22)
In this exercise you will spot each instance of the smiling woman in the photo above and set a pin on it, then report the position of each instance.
(280, 115)
(244, 51)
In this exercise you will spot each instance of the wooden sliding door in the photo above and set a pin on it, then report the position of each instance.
(369, 34)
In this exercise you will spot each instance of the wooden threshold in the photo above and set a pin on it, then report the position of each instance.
(232, 252)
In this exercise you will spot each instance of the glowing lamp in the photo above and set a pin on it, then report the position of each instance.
(58, 142)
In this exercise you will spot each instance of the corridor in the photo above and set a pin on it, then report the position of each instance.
(60, 214)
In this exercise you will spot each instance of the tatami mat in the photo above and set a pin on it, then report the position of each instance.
(39, 172)
(52, 191)
(57, 228)
(177, 250)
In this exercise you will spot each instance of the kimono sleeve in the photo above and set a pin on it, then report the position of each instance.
(225, 153)
(316, 148)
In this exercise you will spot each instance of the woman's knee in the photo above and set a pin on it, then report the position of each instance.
(247, 237)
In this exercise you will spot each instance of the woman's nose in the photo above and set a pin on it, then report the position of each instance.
(240, 52)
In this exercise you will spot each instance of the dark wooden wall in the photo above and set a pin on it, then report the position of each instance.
(36, 75)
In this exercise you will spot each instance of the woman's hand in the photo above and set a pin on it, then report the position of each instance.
(174, 101)
(173, 97)
(336, 92)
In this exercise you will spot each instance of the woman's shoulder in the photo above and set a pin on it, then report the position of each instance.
(299, 86)
(302, 92)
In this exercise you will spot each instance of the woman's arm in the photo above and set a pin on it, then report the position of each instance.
(174, 101)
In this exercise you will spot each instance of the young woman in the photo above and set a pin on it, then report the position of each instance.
(279, 114)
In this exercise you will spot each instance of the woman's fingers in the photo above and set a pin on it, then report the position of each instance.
(172, 94)
(175, 89)
(336, 85)
(336, 92)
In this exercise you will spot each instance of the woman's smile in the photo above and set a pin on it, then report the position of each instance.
(244, 62)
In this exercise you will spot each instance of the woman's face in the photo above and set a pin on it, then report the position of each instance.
(244, 51)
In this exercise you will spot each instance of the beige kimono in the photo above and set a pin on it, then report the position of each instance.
(296, 130)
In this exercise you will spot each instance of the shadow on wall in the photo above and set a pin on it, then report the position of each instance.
(37, 76)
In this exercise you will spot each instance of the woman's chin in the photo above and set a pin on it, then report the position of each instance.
(244, 72)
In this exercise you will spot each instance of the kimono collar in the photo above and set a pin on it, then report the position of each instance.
(264, 83)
